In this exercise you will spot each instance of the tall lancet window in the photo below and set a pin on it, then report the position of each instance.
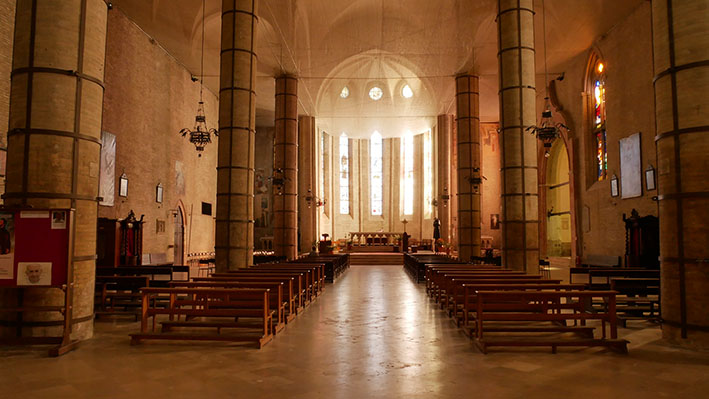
(344, 175)
(377, 173)
(324, 169)
(599, 120)
(427, 176)
(408, 174)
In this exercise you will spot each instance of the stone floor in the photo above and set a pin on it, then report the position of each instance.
(373, 334)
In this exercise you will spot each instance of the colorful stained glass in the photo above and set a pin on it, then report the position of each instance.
(599, 122)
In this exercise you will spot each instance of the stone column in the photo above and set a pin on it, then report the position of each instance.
(445, 125)
(285, 166)
(469, 177)
(520, 224)
(680, 39)
(54, 139)
(235, 163)
(307, 163)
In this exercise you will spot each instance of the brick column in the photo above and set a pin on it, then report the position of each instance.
(681, 39)
(307, 164)
(235, 163)
(285, 159)
(469, 176)
(520, 224)
(54, 139)
(445, 126)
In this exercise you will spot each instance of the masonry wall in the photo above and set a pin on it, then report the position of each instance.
(7, 31)
(627, 53)
(149, 98)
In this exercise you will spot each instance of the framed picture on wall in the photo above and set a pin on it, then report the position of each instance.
(494, 221)
(614, 186)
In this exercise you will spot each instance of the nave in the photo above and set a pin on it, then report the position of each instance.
(373, 333)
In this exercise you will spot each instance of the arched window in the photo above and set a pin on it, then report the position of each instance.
(598, 96)
(427, 176)
(376, 171)
(324, 169)
(408, 174)
(344, 175)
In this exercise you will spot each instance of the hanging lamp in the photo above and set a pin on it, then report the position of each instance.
(201, 135)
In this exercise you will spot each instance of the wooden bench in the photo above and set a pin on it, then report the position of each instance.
(315, 271)
(637, 299)
(449, 281)
(151, 271)
(335, 264)
(220, 308)
(119, 295)
(545, 307)
(415, 265)
(278, 301)
(295, 293)
(468, 305)
(305, 285)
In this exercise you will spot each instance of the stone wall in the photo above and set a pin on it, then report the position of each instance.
(7, 31)
(627, 53)
(149, 98)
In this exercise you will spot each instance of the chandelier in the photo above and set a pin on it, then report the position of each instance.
(547, 131)
(201, 135)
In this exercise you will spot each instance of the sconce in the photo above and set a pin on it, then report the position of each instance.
(311, 200)
(445, 197)
(650, 178)
(614, 186)
(158, 193)
(123, 185)
(475, 180)
(278, 180)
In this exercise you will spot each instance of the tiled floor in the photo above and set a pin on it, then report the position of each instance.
(373, 334)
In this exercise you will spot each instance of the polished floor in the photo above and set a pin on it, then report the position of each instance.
(373, 334)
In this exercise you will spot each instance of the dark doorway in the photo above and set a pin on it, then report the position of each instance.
(179, 238)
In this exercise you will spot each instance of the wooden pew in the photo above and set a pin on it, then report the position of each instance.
(220, 305)
(294, 291)
(316, 272)
(277, 299)
(415, 265)
(547, 307)
(115, 292)
(448, 281)
(469, 301)
(305, 285)
(151, 271)
(637, 299)
(335, 264)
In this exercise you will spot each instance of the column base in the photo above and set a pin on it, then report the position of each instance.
(696, 340)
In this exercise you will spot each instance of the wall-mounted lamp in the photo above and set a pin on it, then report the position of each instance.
(278, 180)
(123, 185)
(614, 186)
(445, 197)
(650, 178)
(158, 193)
(311, 200)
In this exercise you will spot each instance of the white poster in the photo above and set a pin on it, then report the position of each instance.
(58, 220)
(107, 174)
(34, 273)
(7, 270)
(630, 167)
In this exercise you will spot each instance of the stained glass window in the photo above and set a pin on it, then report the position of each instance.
(599, 121)
(427, 176)
(377, 171)
(408, 174)
(344, 175)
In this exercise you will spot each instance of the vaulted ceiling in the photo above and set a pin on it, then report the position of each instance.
(330, 44)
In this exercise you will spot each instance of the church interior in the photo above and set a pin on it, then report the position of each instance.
(389, 198)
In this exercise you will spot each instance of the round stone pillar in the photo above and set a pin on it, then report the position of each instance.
(469, 178)
(237, 115)
(54, 137)
(285, 167)
(520, 224)
(681, 61)
(307, 183)
(445, 127)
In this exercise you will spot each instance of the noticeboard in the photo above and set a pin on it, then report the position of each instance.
(34, 247)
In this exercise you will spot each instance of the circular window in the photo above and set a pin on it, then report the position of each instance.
(375, 93)
(406, 92)
(345, 92)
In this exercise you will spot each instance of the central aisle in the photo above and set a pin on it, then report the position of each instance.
(372, 334)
